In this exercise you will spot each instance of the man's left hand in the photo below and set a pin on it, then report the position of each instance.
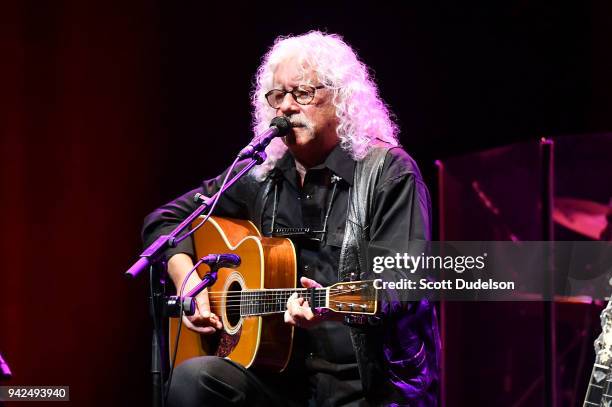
(298, 311)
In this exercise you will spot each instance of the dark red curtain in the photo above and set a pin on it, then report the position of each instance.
(80, 102)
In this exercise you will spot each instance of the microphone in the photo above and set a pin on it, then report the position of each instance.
(279, 126)
(222, 260)
(215, 261)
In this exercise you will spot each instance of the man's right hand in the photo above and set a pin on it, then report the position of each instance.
(202, 321)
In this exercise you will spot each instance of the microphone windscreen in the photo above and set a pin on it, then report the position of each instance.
(282, 123)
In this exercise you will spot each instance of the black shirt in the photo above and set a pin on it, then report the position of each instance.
(324, 194)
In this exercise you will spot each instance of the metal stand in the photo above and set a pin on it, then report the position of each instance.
(158, 353)
(550, 314)
(152, 258)
(153, 253)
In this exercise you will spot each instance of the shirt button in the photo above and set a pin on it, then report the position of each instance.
(307, 268)
(308, 196)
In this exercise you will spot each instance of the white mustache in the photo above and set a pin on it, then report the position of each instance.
(300, 121)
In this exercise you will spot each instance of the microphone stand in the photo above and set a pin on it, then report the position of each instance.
(153, 253)
(208, 280)
(152, 258)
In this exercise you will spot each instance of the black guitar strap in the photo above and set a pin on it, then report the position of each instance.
(361, 201)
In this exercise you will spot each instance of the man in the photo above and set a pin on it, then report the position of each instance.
(340, 155)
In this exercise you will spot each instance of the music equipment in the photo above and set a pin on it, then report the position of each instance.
(251, 300)
(222, 260)
(279, 126)
(581, 216)
(599, 392)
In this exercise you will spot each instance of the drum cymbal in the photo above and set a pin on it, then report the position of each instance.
(585, 217)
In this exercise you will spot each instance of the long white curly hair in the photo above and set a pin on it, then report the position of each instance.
(362, 116)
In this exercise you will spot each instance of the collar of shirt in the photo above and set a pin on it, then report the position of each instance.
(338, 161)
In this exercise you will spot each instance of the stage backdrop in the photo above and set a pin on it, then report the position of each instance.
(80, 135)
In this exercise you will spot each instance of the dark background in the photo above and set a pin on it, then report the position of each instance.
(111, 108)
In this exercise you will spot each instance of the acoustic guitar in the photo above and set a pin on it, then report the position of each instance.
(251, 299)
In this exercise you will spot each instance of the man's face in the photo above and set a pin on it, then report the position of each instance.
(314, 125)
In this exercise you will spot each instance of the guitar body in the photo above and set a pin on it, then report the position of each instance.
(252, 341)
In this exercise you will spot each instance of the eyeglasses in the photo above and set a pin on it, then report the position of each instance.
(303, 94)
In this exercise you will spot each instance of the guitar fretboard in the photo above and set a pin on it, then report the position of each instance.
(598, 392)
(270, 301)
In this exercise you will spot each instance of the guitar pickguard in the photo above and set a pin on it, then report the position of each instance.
(227, 343)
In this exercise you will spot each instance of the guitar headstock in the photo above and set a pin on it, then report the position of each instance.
(353, 297)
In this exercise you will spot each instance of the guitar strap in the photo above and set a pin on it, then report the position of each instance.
(262, 197)
(366, 332)
(352, 264)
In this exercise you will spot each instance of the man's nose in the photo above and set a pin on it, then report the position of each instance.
(289, 106)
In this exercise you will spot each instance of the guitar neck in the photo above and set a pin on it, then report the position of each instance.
(598, 392)
(272, 301)
(342, 297)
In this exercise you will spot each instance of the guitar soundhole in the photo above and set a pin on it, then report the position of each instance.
(233, 303)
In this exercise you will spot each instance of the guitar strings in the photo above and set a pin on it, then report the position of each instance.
(255, 295)
(297, 289)
(274, 291)
(257, 299)
(260, 299)
(247, 307)
(263, 294)
(265, 300)
(267, 307)
(265, 297)
(268, 299)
